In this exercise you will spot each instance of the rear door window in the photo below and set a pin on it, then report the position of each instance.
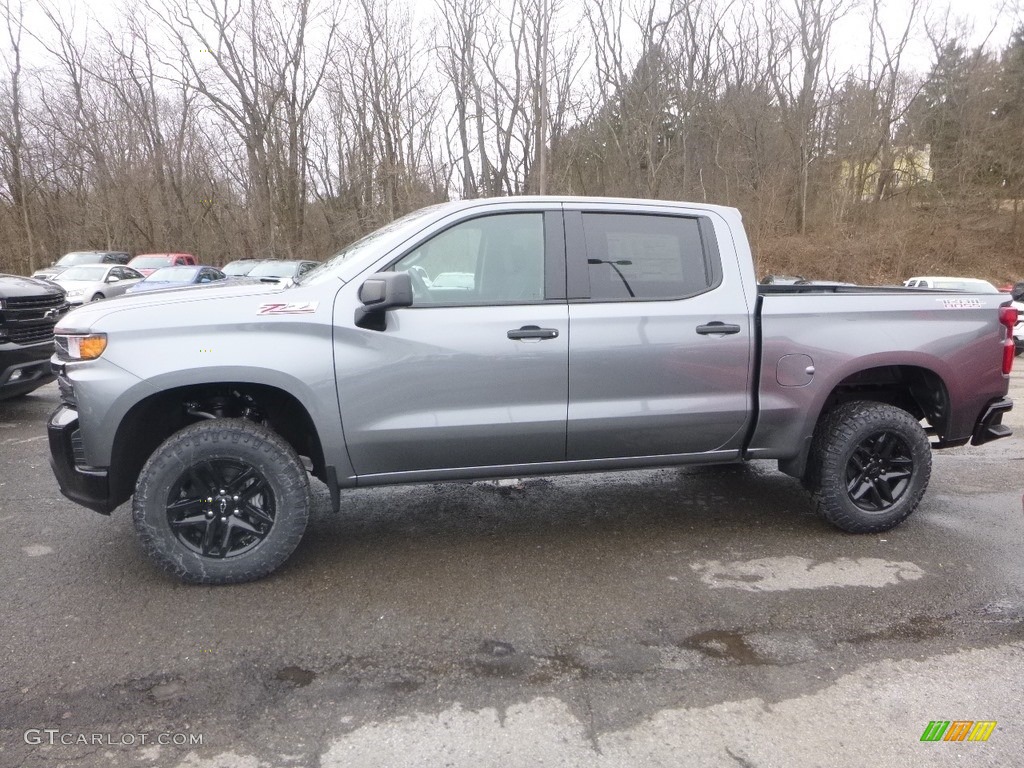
(635, 257)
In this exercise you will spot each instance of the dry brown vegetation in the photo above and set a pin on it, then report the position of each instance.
(259, 128)
(902, 241)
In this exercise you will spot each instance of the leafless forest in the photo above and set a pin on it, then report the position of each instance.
(233, 128)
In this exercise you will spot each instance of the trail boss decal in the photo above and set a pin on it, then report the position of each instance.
(301, 308)
(962, 303)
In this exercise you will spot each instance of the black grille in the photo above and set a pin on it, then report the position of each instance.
(31, 334)
(30, 319)
(34, 302)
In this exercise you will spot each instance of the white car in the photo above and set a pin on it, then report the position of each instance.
(92, 282)
(971, 284)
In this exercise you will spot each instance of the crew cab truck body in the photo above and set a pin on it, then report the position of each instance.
(595, 334)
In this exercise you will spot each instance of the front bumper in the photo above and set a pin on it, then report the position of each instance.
(23, 369)
(990, 426)
(85, 485)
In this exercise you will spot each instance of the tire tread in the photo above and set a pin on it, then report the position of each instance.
(825, 477)
(168, 554)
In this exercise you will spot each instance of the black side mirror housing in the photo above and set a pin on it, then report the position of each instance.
(380, 293)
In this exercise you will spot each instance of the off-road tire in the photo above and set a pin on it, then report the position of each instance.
(859, 456)
(204, 456)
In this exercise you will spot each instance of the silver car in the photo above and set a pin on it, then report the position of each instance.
(92, 282)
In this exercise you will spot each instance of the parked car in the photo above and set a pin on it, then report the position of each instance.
(781, 279)
(280, 268)
(177, 277)
(93, 282)
(825, 283)
(599, 334)
(29, 309)
(147, 263)
(952, 284)
(78, 258)
(465, 280)
(240, 267)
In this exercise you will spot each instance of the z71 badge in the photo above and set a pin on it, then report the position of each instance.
(299, 308)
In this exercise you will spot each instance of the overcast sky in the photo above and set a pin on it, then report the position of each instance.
(982, 21)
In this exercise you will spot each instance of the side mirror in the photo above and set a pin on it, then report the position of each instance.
(1017, 294)
(113, 279)
(383, 291)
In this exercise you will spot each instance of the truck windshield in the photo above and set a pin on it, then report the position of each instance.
(78, 257)
(329, 267)
(150, 262)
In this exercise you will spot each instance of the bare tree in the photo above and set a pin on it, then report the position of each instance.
(12, 132)
(259, 67)
(800, 41)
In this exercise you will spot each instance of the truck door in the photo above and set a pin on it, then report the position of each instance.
(660, 353)
(475, 373)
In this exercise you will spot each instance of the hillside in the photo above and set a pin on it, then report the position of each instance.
(968, 241)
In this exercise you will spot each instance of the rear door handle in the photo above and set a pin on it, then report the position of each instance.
(532, 332)
(717, 327)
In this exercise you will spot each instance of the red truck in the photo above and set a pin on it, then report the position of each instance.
(148, 263)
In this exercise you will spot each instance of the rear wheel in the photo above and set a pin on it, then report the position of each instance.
(221, 502)
(869, 466)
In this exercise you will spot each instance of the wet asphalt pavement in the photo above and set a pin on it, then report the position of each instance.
(668, 617)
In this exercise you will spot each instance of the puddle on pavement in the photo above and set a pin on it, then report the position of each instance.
(916, 629)
(729, 645)
(296, 676)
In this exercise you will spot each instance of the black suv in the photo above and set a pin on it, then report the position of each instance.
(29, 309)
(77, 258)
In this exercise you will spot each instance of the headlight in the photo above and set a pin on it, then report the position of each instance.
(80, 346)
(75, 291)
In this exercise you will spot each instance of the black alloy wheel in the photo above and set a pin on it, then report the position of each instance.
(221, 502)
(879, 471)
(221, 508)
(868, 467)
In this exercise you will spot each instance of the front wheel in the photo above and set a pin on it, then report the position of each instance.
(97, 297)
(869, 466)
(221, 502)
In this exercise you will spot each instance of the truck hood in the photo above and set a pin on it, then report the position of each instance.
(14, 286)
(164, 302)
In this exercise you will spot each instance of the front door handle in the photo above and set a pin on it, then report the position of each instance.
(532, 332)
(717, 327)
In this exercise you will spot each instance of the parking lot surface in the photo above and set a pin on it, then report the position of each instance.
(667, 617)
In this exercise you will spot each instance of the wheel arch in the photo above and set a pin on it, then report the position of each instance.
(917, 389)
(156, 417)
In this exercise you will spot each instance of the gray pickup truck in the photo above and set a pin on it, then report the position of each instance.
(503, 338)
